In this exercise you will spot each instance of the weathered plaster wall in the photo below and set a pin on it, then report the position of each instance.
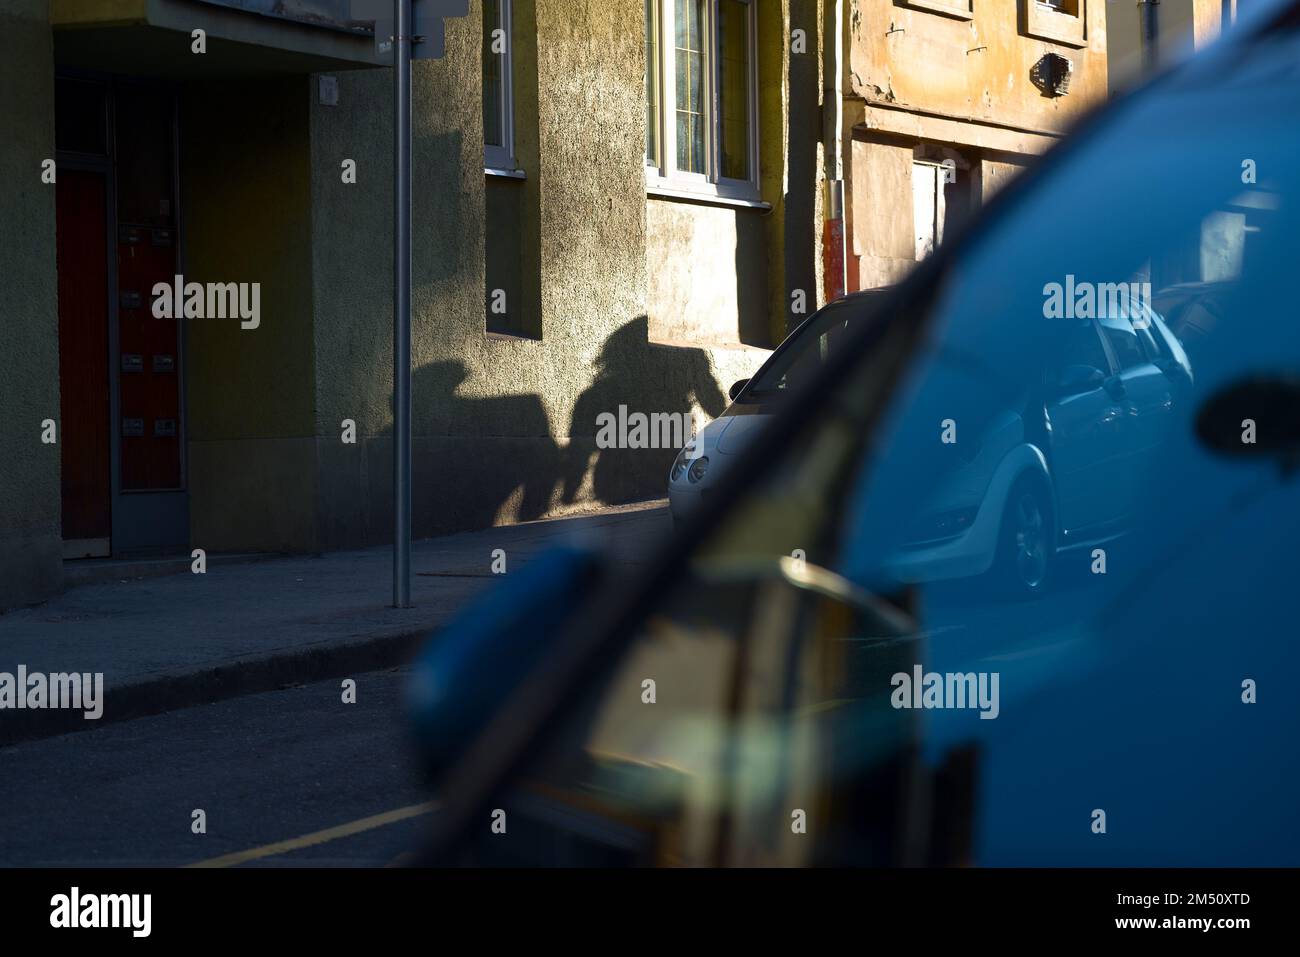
(996, 171)
(881, 194)
(977, 68)
(31, 552)
(951, 79)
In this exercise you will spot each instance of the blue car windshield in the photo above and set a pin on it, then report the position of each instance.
(1019, 546)
(1089, 348)
(1040, 487)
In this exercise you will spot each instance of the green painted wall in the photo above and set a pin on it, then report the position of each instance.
(250, 394)
(31, 553)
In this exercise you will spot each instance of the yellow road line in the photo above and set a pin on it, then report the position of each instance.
(319, 837)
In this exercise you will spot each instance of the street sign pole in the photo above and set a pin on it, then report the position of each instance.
(406, 38)
(402, 304)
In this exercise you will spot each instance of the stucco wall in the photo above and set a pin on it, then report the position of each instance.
(707, 274)
(250, 393)
(30, 538)
(503, 427)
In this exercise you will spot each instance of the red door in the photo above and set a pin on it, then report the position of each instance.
(148, 364)
(148, 378)
(83, 361)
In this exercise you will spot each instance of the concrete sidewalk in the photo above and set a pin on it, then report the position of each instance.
(183, 639)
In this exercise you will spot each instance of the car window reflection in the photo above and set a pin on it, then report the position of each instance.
(1017, 519)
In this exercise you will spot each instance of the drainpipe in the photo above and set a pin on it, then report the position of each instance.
(1227, 14)
(1149, 31)
(834, 243)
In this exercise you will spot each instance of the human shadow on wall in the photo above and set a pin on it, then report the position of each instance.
(477, 458)
(475, 454)
(645, 377)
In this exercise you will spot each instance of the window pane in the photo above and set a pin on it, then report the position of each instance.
(689, 28)
(492, 118)
(1150, 348)
(652, 81)
(733, 93)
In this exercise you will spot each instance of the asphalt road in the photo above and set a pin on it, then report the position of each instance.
(298, 777)
(267, 768)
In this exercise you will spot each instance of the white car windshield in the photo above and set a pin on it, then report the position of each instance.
(804, 354)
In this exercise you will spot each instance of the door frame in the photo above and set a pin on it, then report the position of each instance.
(101, 164)
(153, 520)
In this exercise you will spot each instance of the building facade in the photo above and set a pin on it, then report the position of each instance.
(1147, 38)
(617, 207)
(1176, 28)
(612, 205)
(944, 101)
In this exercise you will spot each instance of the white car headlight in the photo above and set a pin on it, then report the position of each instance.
(679, 466)
(698, 469)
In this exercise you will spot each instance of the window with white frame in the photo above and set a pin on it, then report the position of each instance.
(702, 97)
(498, 104)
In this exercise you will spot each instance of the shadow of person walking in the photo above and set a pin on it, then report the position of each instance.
(464, 481)
(644, 377)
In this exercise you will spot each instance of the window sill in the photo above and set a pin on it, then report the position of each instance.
(504, 173)
(961, 9)
(1044, 23)
(496, 335)
(706, 198)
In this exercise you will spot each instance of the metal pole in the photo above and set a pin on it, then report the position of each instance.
(1149, 33)
(402, 304)
(833, 144)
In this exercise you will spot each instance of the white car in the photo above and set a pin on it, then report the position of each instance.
(1049, 475)
(697, 468)
(1037, 479)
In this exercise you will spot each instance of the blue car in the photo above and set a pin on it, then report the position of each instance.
(776, 691)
